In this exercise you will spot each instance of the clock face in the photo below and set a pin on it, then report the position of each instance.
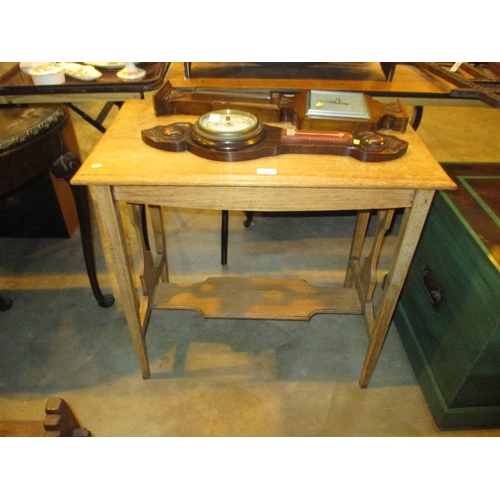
(228, 129)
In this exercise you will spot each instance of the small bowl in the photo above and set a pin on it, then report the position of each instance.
(26, 66)
(47, 74)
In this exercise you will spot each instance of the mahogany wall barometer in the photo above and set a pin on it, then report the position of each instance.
(228, 130)
(328, 104)
(234, 135)
(313, 109)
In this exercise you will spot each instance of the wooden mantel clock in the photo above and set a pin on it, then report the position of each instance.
(306, 110)
(236, 135)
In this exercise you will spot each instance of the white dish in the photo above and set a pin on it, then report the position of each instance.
(81, 71)
(47, 74)
(107, 65)
(26, 66)
(131, 72)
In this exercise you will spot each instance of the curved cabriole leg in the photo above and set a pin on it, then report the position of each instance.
(83, 209)
(65, 167)
(248, 221)
(418, 112)
(5, 303)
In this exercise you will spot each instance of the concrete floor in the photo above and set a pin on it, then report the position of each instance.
(218, 377)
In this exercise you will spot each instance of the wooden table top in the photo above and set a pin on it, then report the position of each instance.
(121, 158)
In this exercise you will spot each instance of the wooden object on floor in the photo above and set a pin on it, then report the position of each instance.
(60, 421)
(132, 172)
(448, 315)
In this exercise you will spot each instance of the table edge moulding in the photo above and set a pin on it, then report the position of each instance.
(124, 169)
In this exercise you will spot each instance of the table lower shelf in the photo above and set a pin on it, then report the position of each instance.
(256, 298)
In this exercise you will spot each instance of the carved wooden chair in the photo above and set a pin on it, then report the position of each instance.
(32, 142)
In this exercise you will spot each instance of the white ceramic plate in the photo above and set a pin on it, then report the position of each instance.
(81, 71)
(107, 65)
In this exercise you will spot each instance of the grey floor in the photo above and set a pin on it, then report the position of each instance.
(217, 377)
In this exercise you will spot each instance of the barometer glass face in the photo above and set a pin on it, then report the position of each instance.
(335, 105)
(227, 124)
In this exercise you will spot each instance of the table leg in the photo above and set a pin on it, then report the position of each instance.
(368, 271)
(109, 213)
(362, 219)
(411, 228)
(153, 262)
(159, 238)
(224, 237)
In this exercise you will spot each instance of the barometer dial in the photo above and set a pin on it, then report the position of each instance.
(228, 129)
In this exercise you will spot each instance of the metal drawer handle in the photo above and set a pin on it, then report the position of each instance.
(432, 287)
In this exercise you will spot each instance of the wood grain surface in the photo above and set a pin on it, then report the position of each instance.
(121, 158)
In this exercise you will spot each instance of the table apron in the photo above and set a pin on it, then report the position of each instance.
(265, 199)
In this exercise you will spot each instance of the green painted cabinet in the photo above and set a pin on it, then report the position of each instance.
(448, 315)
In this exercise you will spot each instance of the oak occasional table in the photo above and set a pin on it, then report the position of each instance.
(122, 169)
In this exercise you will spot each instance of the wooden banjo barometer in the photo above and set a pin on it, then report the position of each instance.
(234, 135)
